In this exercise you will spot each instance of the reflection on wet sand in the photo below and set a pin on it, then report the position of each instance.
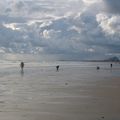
(22, 73)
(73, 93)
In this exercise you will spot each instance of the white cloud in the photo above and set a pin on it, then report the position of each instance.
(90, 50)
(90, 1)
(77, 29)
(46, 23)
(73, 27)
(46, 34)
(12, 26)
(2, 50)
(109, 23)
(50, 34)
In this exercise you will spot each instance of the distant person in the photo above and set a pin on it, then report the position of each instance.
(22, 65)
(111, 65)
(98, 68)
(57, 68)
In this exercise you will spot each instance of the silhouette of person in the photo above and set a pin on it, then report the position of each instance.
(111, 65)
(22, 65)
(57, 68)
(98, 68)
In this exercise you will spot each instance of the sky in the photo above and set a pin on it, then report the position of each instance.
(70, 29)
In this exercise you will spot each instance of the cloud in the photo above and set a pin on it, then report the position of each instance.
(90, 1)
(11, 26)
(109, 23)
(80, 28)
(113, 6)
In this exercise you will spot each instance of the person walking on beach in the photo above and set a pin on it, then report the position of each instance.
(57, 68)
(22, 65)
(111, 65)
(98, 68)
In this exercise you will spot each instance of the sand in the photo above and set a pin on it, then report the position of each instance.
(73, 93)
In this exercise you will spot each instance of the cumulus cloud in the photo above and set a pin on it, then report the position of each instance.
(109, 23)
(11, 26)
(79, 28)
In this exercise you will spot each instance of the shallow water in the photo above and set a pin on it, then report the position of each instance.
(77, 91)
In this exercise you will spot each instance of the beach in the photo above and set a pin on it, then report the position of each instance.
(77, 92)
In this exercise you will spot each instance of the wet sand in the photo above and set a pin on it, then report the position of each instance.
(73, 93)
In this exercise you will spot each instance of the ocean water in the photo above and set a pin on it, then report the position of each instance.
(11, 63)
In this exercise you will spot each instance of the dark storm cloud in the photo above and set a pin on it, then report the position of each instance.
(113, 6)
